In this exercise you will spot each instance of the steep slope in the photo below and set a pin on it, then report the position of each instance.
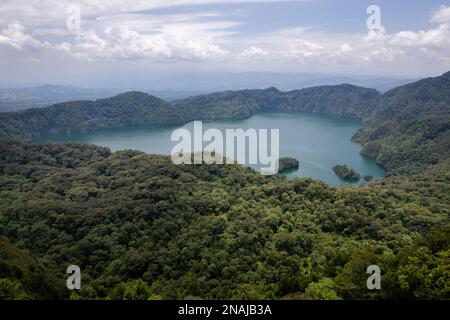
(21, 277)
(343, 100)
(131, 108)
(221, 105)
(410, 130)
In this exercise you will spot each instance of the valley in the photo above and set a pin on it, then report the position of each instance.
(144, 228)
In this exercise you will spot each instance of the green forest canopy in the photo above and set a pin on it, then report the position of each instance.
(142, 228)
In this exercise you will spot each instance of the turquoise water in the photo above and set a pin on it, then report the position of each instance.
(317, 141)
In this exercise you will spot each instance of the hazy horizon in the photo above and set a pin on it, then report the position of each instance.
(216, 81)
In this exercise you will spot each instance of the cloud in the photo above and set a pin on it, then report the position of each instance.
(437, 37)
(133, 30)
(13, 36)
(345, 48)
(305, 49)
(170, 43)
(51, 12)
(116, 29)
(376, 35)
(376, 49)
(191, 36)
(442, 15)
(254, 53)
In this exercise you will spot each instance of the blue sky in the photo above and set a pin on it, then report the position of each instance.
(326, 15)
(117, 39)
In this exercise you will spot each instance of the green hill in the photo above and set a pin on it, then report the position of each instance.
(343, 100)
(136, 108)
(132, 220)
(410, 130)
(131, 108)
(21, 277)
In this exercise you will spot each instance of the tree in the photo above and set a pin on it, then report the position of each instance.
(322, 290)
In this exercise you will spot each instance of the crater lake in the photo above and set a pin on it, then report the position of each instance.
(318, 141)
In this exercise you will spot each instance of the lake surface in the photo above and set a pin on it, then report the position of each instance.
(318, 141)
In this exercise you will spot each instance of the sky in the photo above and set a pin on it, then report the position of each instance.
(107, 43)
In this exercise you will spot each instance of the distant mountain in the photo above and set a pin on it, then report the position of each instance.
(221, 105)
(135, 108)
(342, 100)
(226, 81)
(43, 96)
(179, 86)
(127, 109)
(46, 95)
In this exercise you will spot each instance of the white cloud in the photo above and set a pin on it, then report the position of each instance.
(375, 50)
(126, 30)
(305, 49)
(345, 48)
(442, 15)
(376, 35)
(437, 37)
(385, 55)
(125, 43)
(44, 12)
(118, 29)
(14, 36)
(254, 53)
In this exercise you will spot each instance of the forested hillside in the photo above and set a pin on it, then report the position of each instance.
(342, 100)
(136, 108)
(141, 227)
(22, 278)
(410, 131)
(406, 129)
(131, 108)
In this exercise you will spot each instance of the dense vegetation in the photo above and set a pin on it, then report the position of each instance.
(136, 108)
(345, 173)
(410, 130)
(141, 227)
(287, 164)
(131, 108)
(342, 100)
(22, 278)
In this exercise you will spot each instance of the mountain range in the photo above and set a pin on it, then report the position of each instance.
(178, 86)
(408, 121)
